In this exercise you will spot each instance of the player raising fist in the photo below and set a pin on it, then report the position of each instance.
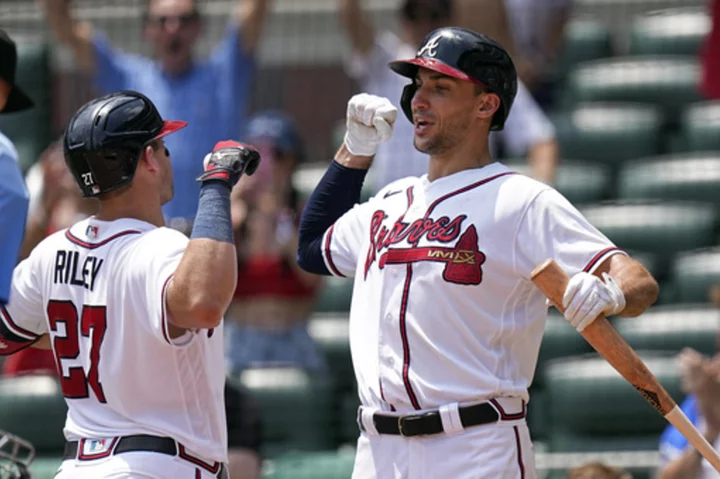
(445, 322)
(134, 309)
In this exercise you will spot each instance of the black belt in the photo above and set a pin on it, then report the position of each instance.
(430, 422)
(141, 442)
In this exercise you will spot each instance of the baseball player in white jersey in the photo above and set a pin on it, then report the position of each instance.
(133, 309)
(445, 322)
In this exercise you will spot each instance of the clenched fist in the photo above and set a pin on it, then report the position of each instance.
(370, 120)
(228, 161)
(587, 296)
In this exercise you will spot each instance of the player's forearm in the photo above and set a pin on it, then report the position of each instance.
(337, 192)
(204, 282)
(637, 284)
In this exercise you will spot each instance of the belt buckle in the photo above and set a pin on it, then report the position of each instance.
(408, 418)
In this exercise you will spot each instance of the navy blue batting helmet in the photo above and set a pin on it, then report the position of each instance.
(466, 55)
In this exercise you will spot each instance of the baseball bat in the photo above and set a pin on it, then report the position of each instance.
(552, 280)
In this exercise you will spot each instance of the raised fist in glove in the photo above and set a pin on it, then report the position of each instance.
(587, 296)
(228, 161)
(370, 120)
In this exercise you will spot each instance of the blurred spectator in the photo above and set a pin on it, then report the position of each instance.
(55, 204)
(267, 321)
(212, 95)
(700, 377)
(527, 130)
(55, 200)
(711, 55)
(596, 470)
(13, 193)
(538, 31)
(244, 433)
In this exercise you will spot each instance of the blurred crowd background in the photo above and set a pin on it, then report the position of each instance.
(619, 109)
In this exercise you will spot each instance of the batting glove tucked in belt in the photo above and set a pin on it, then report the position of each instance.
(370, 120)
(587, 296)
(228, 161)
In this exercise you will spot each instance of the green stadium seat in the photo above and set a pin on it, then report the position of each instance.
(348, 419)
(690, 176)
(700, 128)
(335, 296)
(45, 467)
(591, 407)
(559, 340)
(585, 39)
(579, 181)
(331, 332)
(314, 465)
(669, 82)
(670, 31)
(608, 133)
(33, 408)
(32, 126)
(295, 407)
(672, 328)
(694, 273)
(662, 228)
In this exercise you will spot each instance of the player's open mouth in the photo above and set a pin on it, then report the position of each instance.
(421, 125)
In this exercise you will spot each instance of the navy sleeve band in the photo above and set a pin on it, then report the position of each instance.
(213, 214)
(336, 193)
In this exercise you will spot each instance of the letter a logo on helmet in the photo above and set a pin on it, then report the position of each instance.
(466, 55)
(430, 48)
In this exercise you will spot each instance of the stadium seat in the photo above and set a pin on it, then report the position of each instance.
(700, 128)
(694, 273)
(690, 176)
(34, 76)
(670, 31)
(662, 228)
(559, 340)
(579, 181)
(673, 327)
(585, 39)
(669, 82)
(335, 296)
(295, 407)
(33, 408)
(314, 465)
(331, 332)
(608, 133)
(592, 407)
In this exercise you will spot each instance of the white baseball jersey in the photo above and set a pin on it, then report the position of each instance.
(443, 308)
(99, 289)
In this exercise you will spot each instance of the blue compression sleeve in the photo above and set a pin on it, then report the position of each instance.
(337, 192)
(213, 214)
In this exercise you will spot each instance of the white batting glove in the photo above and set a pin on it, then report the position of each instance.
(587, 296)
(370, 120)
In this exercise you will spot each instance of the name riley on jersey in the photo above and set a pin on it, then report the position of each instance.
(68, 269)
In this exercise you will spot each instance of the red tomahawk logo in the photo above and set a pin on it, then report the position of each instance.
(462, 263)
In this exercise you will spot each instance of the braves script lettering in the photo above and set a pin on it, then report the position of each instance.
(440, 230)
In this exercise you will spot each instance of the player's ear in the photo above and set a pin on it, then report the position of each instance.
(147, 157)
(487, 104)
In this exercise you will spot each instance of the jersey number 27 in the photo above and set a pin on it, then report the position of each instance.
(93, 322)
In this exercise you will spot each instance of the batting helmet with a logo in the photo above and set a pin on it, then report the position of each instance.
(466, 55)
